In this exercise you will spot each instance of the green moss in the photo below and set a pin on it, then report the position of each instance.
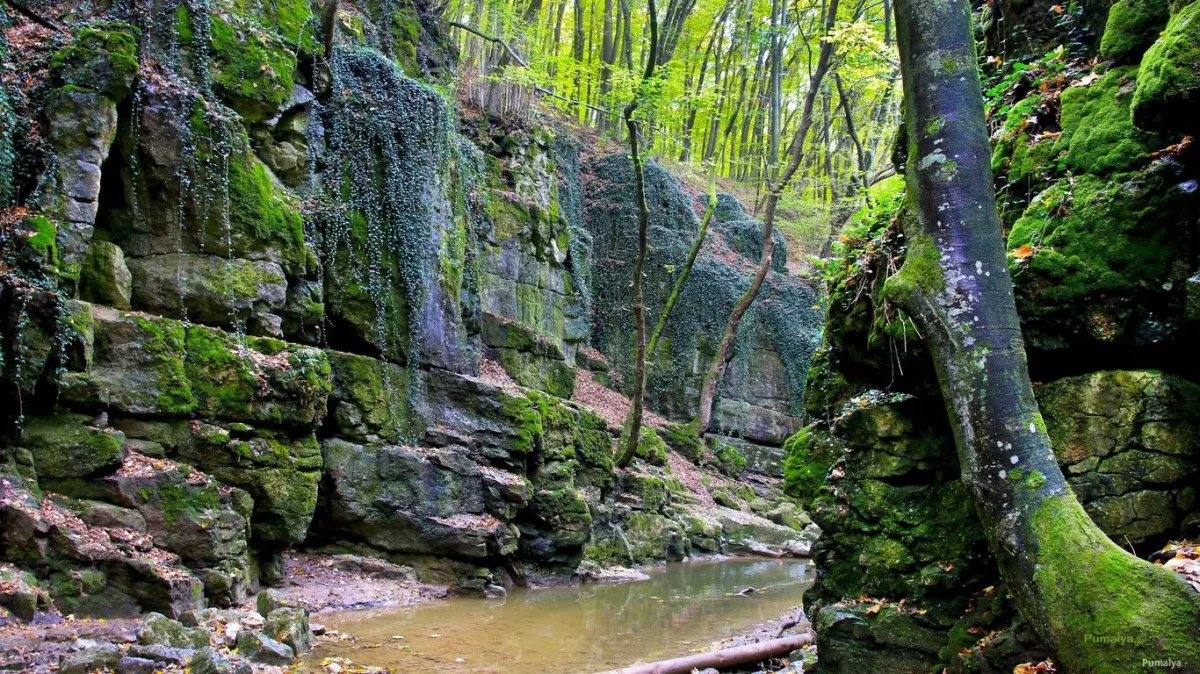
(165, 340)
(1092, 239)
(1091, 588)
(406, 34)
(1097, 132)
(43, 242)
(291, 20)
(264, 213)
(64, 446)
(183, 500)
(1133, 25)
(809, 455)
(1169, 78)
(526, 421)
(224, 384)
(252, 69)
(101, 57)
(921, 270)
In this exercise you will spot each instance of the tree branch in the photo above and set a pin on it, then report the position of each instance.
(34, 16)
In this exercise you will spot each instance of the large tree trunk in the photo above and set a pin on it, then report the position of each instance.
(720, 361)
(1078, 589)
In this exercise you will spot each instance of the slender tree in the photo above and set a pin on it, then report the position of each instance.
(724, 354)
(637, 401)
(1068, 579)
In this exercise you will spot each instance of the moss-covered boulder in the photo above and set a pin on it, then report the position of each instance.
(68, 446)
(882, 484)
(231, 209)
(1169, 77)
(102, 57)
(212, 290)
(414, 501)
(252, 67)
(1099, 260)
(145, 365)
(531, 359)
(1132, 26)
(855, 637)
(1098, 134)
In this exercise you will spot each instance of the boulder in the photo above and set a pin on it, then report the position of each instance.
(99, 657)
(262, 649)
(1125, 439)
(861, 637)
(159, 630)
(105, 278)
(289, 626)
(209, 660)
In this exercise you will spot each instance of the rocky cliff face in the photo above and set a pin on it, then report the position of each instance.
(253, 300)
(1097, 187)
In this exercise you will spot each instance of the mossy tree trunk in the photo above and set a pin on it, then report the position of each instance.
(637, 402)
(720, 361)
(1100, 609)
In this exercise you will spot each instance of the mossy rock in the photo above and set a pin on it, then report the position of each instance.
(252, 68)
(264, 218)
(1133, 25)
(810, 454)
(105, 278)
(256, 379)
(102, 57)
(67, 446)
(1097, 132)
(370, 398)
(1097, 260)
(1169, 78)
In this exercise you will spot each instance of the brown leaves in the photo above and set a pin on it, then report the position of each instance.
(1044, 667)
(1174, 151)
(1024, 252)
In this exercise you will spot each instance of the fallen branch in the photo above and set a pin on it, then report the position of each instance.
(722, 659)
(34, 16)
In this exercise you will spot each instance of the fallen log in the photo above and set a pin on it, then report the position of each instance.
(728, 657)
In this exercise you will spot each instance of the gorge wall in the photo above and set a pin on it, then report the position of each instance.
(253, 300)
(1097, 184)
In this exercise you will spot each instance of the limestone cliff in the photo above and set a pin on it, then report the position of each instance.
(254, 300)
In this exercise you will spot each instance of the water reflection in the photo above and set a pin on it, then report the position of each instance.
(574, 629)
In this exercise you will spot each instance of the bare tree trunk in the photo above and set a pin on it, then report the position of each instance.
(329, 26)
(577, 49)
(1067, 578)
(607, 58)
(637, 399)
(721, 358)
(777, 14)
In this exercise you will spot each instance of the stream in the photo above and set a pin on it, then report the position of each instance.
(590, 627)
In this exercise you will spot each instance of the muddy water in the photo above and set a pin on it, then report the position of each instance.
(573, 629)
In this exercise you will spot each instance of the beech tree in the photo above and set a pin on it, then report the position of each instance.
(1068, 579)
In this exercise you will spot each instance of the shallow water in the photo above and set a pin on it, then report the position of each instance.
(573, 629)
